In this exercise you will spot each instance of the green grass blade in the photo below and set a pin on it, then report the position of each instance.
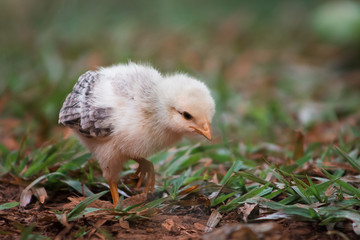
(304, 159)
(153, 204)
(190, 161)
(26, 232)
(301, 191)
(353, 162)
(222, 198)
(77, 211)
(254, 178)
(313, 189)
(338, 215)
(80, 188)
(299, 211)
(255, 192)
(237, 164)
(270, 204)
(75, 163)
(3, 150)
(8, 205)
(325, 154)
(278, 174)
(176, 184)
(275, 194)
(290, 199)
(344, 185)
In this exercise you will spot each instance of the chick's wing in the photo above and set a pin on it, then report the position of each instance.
(78, 111)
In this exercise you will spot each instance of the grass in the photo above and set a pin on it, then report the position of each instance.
(306, 189)
(287, 121)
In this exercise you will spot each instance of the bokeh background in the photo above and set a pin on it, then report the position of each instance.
(273, 66)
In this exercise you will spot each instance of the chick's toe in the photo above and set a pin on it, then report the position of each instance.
(145, 169)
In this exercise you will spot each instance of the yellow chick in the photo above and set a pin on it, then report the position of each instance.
(130, 111)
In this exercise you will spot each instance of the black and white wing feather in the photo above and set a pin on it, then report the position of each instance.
(79, 113)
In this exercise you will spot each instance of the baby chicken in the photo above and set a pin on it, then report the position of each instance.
(130, 111)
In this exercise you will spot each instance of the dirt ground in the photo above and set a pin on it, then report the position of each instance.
(181, 223)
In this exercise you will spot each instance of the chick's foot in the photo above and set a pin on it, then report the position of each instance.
(145, 169)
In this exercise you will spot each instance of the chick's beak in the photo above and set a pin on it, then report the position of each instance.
(205, 130)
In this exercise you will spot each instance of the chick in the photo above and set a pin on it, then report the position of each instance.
(130, 111)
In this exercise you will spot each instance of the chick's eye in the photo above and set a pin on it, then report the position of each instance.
(187, 116)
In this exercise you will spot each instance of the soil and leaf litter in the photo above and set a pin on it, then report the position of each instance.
(285, 161)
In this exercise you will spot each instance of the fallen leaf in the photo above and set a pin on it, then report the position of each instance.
(213, 220)
(40, 193)
(330, 190)
(124, 224)
(97, 225)
(299, 145)
(189, 190)
(25, 197)
(247, 210)
(170, 226)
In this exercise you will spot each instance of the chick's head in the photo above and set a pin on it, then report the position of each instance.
(190, 105)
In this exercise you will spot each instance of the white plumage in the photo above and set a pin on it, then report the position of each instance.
(130, 111)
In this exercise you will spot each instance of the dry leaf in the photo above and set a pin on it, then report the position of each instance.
(299, 145)
(214, 219)
(247, 210)
(330, 190)
(40, 193)
(171, 226)
(124, 224)
(97, 225)
(25, 197)
(189, 190)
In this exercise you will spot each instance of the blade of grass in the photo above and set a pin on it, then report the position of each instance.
(325, 154)
(313, 189)
(222, 198)
(278, 174)
(152, 204)
(352, 161)
(237, 164)
(77, 211)
(304, 159)
(26, 232)
(78, 186)
(275, 193)
(292, 210)
(301, 191)
(335, 216)
(290, 199)
(190, 161)
(344, 185)
(176, 184)
(75, 163)
(254, 178)
(8, 205)
(261, 191)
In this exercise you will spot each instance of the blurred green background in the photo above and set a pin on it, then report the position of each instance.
(273, 66)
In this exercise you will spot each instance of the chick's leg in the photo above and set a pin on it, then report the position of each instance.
(114, 192)
(145, 169)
